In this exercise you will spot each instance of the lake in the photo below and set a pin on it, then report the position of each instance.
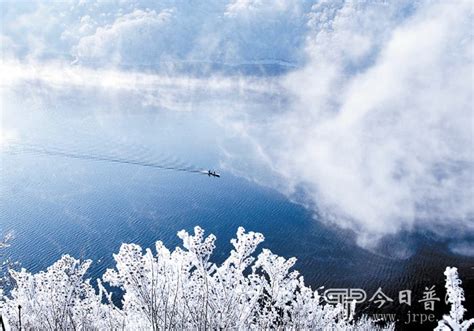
(86, 208)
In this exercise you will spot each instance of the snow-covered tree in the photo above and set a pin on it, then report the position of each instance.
(58, 299)
(181, 289)
(5, 266)
(454, 321)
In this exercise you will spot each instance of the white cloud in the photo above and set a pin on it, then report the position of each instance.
(258, 7)
(380, 134)
(160, 35)
(178, 92)
(127, 34)
(463, 248)
(62, 75)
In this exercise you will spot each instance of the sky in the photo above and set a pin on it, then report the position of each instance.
(360, 110)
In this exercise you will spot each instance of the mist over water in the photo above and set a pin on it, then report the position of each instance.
(345, 111)
(343, 132)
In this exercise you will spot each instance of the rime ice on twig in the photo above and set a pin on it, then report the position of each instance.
(454, 321)
(58, 298)
(182, 289)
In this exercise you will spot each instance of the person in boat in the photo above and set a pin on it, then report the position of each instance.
(212, 173)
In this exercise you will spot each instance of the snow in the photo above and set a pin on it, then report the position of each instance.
(181, 289)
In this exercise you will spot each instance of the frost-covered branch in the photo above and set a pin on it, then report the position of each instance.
(181, 289)
(5, 265)
(454, 321)
(58, 298)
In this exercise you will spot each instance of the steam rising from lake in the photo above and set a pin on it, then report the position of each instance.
(363, 113)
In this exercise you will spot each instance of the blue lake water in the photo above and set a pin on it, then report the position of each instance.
(57, 205)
